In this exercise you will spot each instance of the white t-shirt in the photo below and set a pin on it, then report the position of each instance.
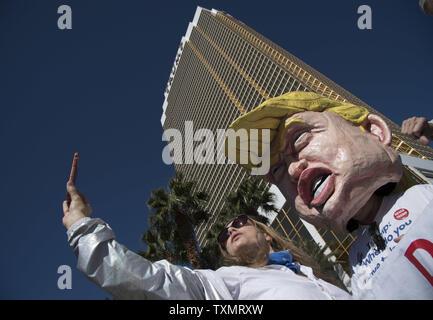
(404, 269)
(276, 282)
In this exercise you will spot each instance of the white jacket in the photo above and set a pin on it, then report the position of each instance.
(126, 275)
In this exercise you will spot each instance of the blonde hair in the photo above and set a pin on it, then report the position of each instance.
(278, 243)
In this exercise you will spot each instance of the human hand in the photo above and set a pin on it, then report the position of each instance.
(428, 7)
(78, 208)
(418, 128)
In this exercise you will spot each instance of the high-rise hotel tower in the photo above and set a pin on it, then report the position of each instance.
(223, 69)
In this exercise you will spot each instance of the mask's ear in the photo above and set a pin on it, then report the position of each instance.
(378, 128)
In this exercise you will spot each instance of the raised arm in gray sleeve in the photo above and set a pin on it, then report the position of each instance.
(125, 274)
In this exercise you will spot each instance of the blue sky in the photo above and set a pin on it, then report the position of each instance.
(98, 89)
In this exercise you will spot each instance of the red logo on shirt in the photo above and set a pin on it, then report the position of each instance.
(400, 214)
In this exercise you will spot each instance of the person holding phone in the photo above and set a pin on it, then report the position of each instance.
(261, 264)
(334, 163)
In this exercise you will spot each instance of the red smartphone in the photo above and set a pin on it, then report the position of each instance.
(73, 175)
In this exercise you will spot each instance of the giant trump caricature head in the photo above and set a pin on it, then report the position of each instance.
(327, 157)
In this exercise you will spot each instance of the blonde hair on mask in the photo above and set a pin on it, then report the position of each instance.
(276, 113)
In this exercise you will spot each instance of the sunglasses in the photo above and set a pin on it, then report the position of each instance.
(237, 223)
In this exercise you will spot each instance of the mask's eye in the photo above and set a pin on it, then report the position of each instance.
(297, 135)
(300, 139)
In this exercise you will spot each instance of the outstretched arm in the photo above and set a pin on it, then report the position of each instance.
(119, 271)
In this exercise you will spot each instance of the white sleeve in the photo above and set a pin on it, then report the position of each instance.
(125, 274)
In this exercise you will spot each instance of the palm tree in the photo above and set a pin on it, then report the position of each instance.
(251, 195)
(158, 249)
(171, 231)
(210, 254)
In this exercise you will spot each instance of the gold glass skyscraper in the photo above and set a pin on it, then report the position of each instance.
(223, 69)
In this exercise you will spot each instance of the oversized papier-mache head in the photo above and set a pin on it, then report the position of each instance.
(327, 156)
(275, 115)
